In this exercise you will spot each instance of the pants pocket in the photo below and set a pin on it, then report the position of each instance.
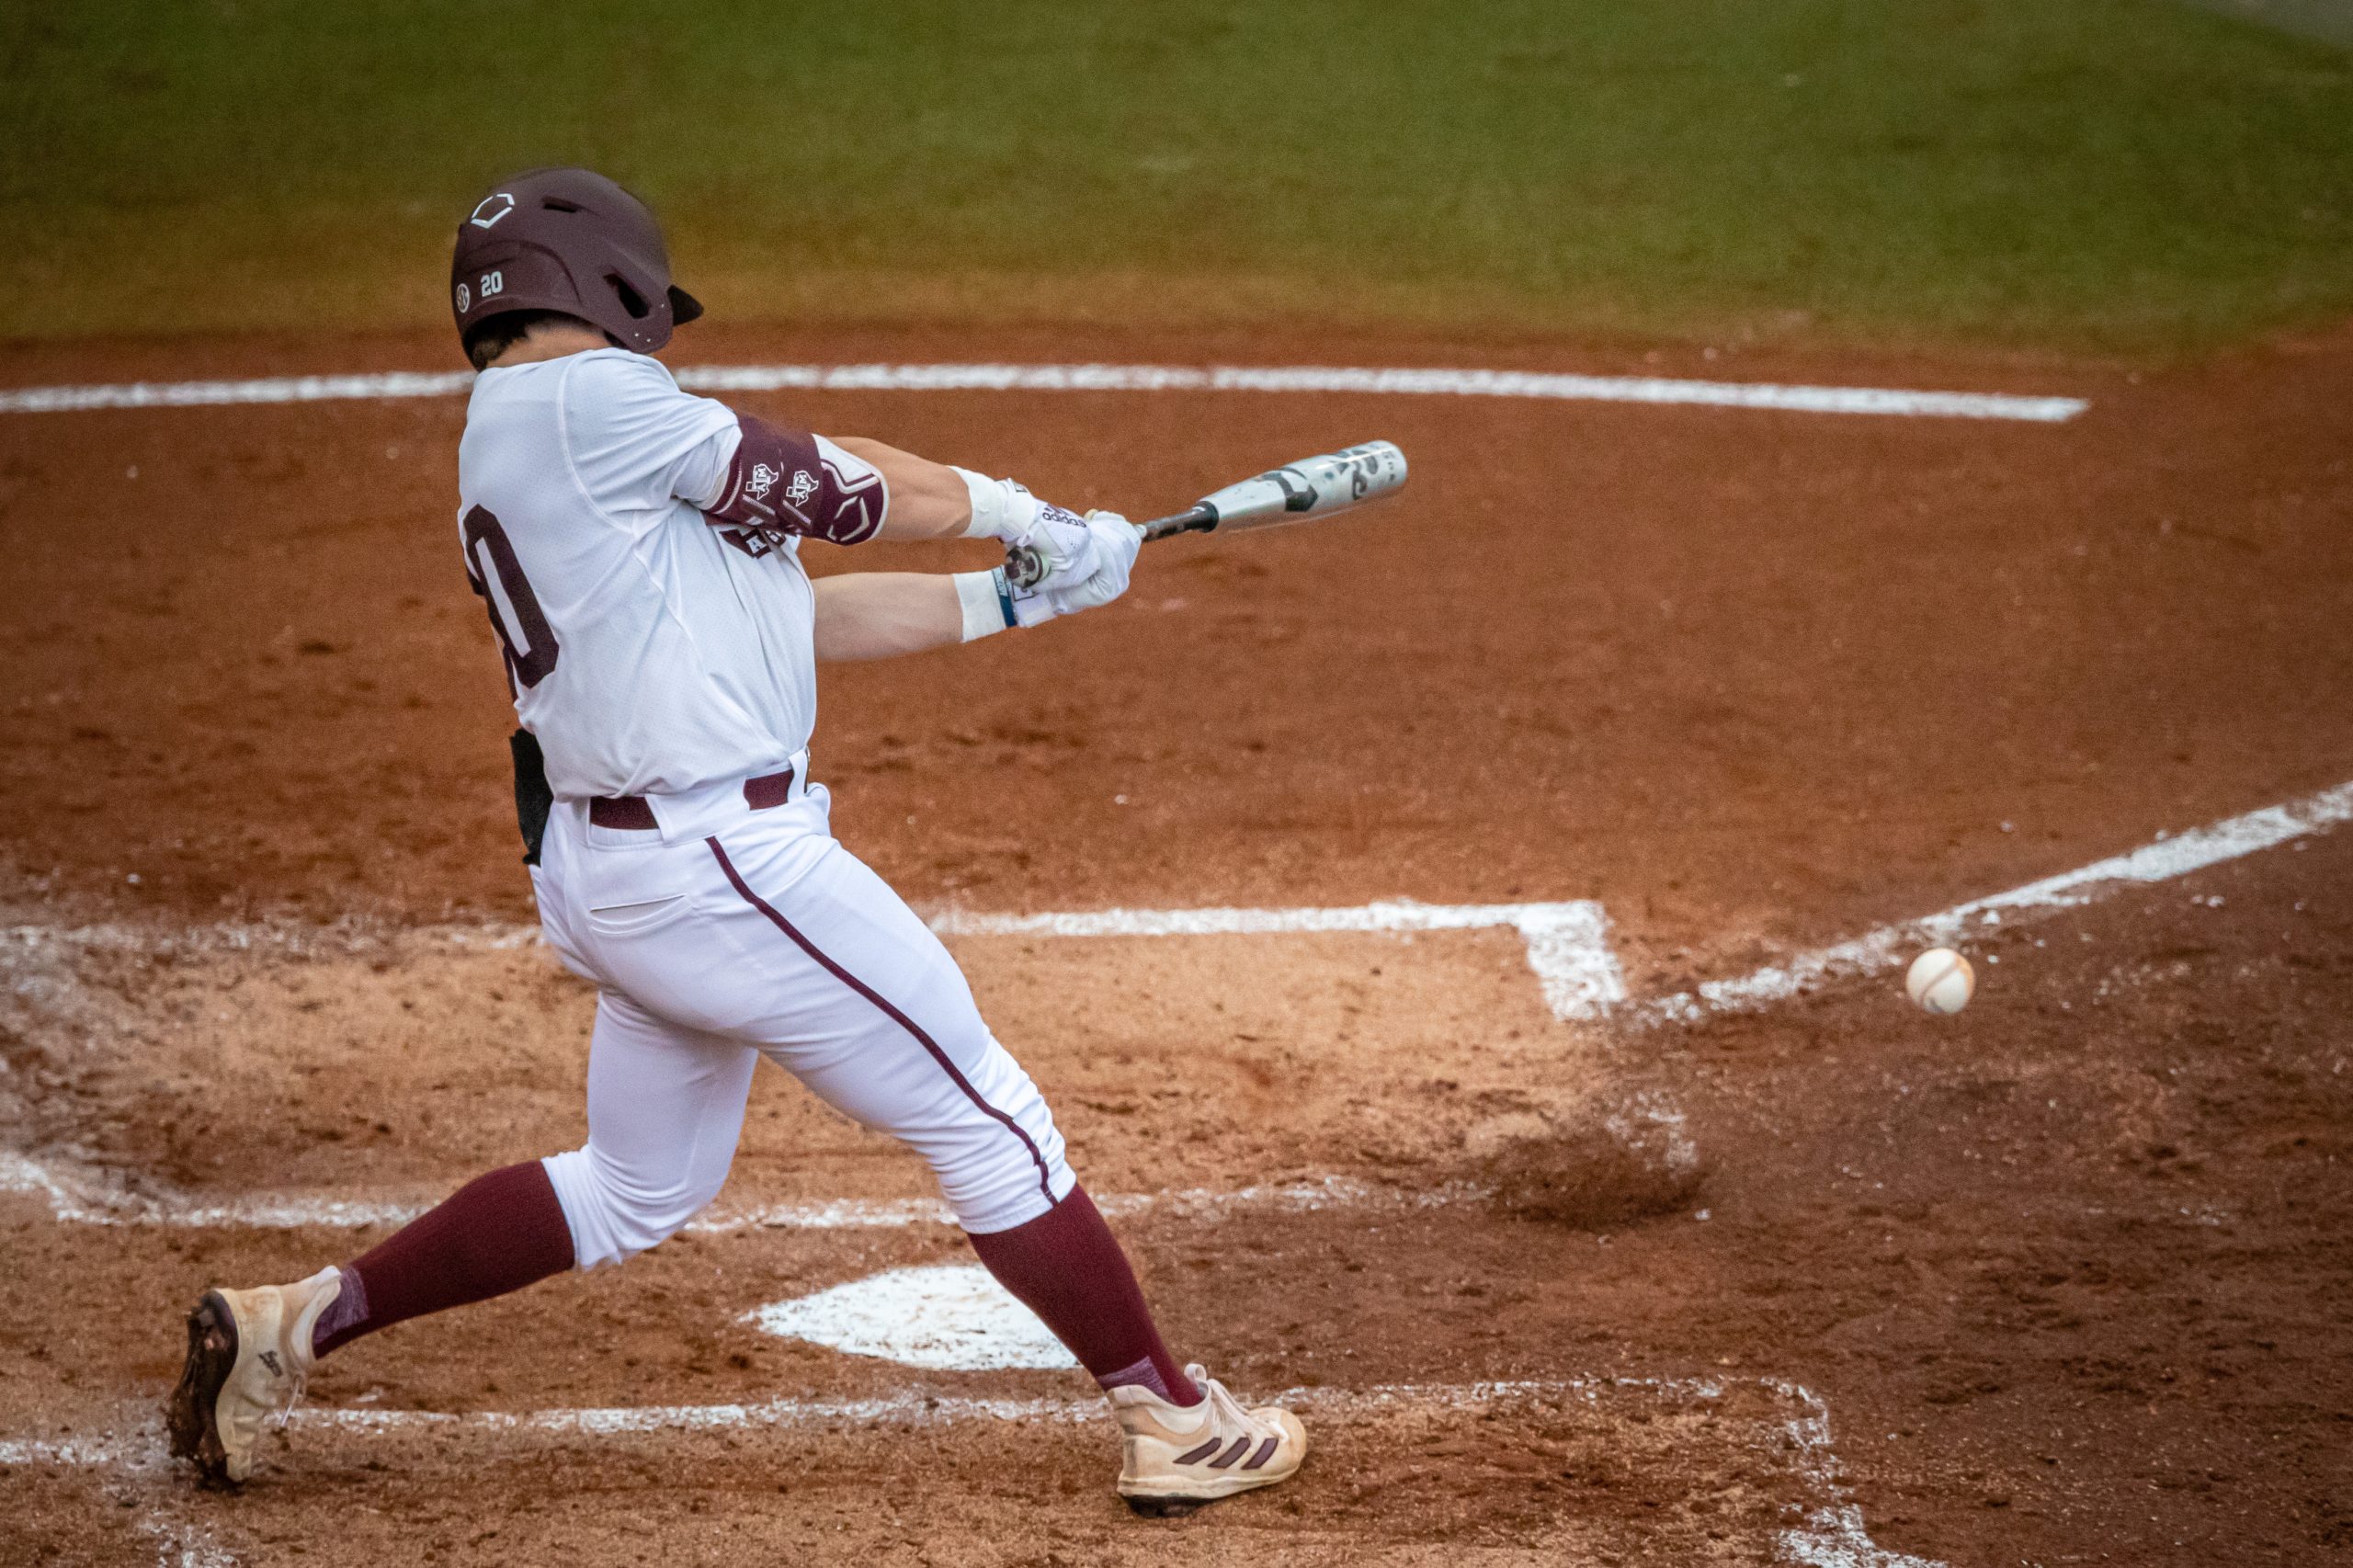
(638, 917)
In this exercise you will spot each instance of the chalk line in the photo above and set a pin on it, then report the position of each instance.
(345, 935)
(181, 1544)
(1568, 943)
(1833, 1533)
(2168, 857)
(78, 1197)
(912, 1408)
(909, 1408)
(253, 390)
(1321, 379)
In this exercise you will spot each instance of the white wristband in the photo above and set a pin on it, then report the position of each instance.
(988, 600)
(1001, 508)
(988, 503)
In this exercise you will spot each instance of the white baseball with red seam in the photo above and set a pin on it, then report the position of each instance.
(1940, 981)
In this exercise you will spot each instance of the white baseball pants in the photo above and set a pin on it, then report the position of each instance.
(755, 933)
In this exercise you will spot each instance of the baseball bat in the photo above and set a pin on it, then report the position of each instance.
(1317, 486)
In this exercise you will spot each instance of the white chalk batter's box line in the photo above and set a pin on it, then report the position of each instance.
(1831, 1533)
(1541, 385)
(78, 1196)
(1568, 944)
(2166, 857)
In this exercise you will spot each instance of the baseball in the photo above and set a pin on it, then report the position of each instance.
(1940, 981)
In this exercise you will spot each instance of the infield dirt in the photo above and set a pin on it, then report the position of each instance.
(2069, 1272)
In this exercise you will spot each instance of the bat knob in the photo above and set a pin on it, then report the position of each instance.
(1025, 567)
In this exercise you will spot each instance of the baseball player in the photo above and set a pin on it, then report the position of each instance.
(637, 550)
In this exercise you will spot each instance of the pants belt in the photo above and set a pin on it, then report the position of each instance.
(633, 813)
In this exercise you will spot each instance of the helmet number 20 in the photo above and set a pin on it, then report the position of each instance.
(497, 577)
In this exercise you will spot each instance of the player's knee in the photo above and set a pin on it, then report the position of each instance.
(999, 1162)
(615, 1215)
(644, 1219)
(996, 1188)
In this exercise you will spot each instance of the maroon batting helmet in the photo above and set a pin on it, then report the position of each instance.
(567, 240)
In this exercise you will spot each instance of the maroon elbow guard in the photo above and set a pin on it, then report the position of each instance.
(785, 481)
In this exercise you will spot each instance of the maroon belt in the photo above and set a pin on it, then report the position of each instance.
(633, 813)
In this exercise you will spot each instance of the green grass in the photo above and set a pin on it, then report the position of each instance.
(2114, 174)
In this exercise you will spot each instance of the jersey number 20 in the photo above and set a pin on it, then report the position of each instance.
(490, 553)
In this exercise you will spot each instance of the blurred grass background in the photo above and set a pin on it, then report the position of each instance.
(2129, 176)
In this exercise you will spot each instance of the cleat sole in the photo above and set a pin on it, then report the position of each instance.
(1168, 1507)
(1161, 1505)
(190, 1415)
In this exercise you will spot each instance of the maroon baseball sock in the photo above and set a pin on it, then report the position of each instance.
(1066, 1266)
(497, 1234)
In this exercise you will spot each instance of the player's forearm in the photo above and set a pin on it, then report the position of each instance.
(928, 500)
(880, 615)
(931, 500)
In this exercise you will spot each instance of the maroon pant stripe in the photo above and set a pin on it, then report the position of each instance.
(1045, 1177)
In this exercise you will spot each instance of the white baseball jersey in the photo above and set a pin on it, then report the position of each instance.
(637, 547)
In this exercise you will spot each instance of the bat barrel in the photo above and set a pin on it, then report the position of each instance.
(1349, 477)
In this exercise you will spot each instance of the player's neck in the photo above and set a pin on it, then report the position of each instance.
(549, 341)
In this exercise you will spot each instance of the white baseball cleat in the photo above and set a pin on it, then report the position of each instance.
(1174, 1459)
(248, 1356)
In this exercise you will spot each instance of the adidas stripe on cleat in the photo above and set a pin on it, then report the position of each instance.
(1174, 1459)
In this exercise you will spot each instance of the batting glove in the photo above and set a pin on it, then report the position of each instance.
(1060, 548)
(1112, 543)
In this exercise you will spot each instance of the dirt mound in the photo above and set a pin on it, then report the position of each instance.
(1600, 1168)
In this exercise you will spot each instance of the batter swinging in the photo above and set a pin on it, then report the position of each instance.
(636, 548)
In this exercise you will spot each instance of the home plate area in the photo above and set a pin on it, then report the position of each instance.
(1307, 1198)
(1541, 1257)
(1325, 1132)
(950, 1317)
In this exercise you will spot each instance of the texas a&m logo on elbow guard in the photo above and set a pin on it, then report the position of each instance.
(789, 481)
